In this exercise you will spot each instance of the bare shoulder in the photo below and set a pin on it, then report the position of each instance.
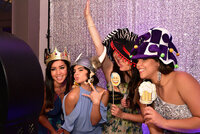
(186, 84)
(189, 90)
(182, 74)
(185, 77)
(71, 100)
(73, 95)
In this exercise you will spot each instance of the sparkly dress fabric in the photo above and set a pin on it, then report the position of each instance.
(78, 121)
(116, 125)
(55, 117)
(171, 111)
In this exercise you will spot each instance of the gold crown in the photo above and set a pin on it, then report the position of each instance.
(56, 55)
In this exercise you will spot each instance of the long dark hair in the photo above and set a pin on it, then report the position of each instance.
(49, 83)
(133, 86)
(165, 69)
(133, 83)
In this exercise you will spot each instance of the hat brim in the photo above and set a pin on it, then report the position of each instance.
(123, 49)
(124, 39)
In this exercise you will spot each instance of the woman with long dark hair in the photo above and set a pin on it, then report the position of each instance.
(123, 117)
(57, 84)
(176, 108)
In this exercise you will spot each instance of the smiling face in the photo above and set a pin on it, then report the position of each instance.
(80, 74)
(59, 71)
(115, 79)
(148, 68)
(122, 63)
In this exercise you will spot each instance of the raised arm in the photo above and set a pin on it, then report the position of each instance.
(93, 30)
(107, 65)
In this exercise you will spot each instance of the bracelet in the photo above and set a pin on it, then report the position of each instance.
(91, 26)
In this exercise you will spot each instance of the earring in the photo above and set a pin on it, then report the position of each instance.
(159, 76)
(75, 84)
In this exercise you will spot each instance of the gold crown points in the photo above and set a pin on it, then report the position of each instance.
(56, 55)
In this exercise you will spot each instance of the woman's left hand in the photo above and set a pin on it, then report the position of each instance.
(94, 95)
(116, 111)
(153, 117)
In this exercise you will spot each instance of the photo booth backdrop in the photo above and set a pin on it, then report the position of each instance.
(181, 17)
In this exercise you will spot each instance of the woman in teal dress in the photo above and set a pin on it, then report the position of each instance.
(122, 116)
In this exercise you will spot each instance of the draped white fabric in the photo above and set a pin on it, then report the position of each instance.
(181, 17)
